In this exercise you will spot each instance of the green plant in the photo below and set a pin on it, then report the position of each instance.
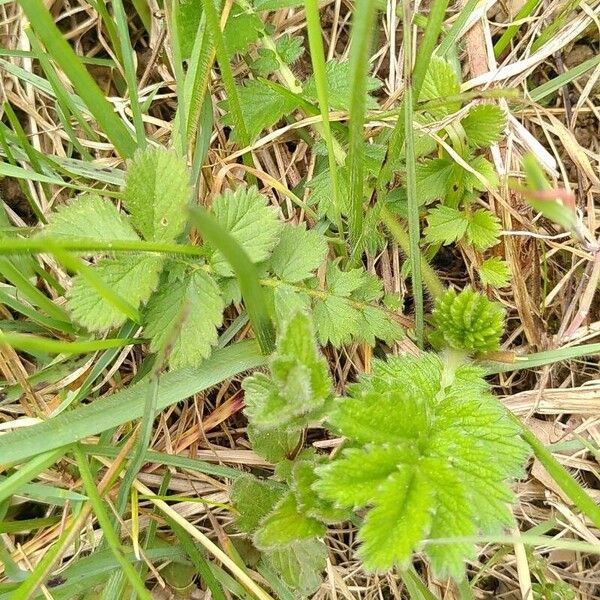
(427, 451)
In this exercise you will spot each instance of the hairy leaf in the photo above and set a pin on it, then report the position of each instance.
(440, 82)
(483, 229)
(246, 215)
(484, 125)
(132, 277)
(300, 564)
(184, 316)
(433, 179)
(262, 106)
(254, 499)
(157, 192)
(285, 525)
(89, 218)
(430, 451)
(495, 272)
(339, 86)
(445, 225)
(298, 254)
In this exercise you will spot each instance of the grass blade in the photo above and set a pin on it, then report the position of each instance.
(363, 23)
(39, 345)
(127, 405)
(246, 273)
(82, 81)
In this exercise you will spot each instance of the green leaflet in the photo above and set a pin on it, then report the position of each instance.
(495, 272)
(484, 125)
(89, 217)
(185, 315)
(157, 192)
(445, 225)
(254, 499)
(439, 473)
(440, 82)
(133, 277)
(299, 386)
(247, 216)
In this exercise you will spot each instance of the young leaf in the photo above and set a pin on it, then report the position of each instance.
(185, 314)
(262, 106)
(300, 564)
(157, 192)
(440, 472)
(445, 225)
(299, 387)
(338, 86)
(484, 125)
(254, 499)
(469, 321)
(483, 229)
(247, 216)
(133, 277)
(298, 254)
(89, 218)
(285, 525)
(495, 272)
(273, 444)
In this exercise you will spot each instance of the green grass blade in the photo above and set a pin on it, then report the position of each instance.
(128, 404)
(246, 273)
(317, 55)
(15, 482)
(85, 86)
(363, 23)
(505, 39)
(127, 55)
(414, 233)
(427, 45)
(40, 345)
(455, 31)
(109, 533)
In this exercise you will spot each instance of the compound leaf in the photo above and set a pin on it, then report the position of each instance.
(483, 229)
(495, 272)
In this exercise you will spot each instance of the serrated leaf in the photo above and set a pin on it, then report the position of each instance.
(185, 315)
(273, 444)
(89, 218)
(321, 193)
(485, 168)
(132, 277)
(304, 476)
(400, 519)
(495, 272)
(262, 106)
(157, 192)
(339, 86)
(300, 565)
(336, 320)
(254, 499)
(440, 82)
(285, 525)
(445, 225)
(247, 216)
(288, 301)
(433, 179)
(298, 254)
(484, 125)
(441, 471)
(299, 385)
(289, 48)
(483, 229)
